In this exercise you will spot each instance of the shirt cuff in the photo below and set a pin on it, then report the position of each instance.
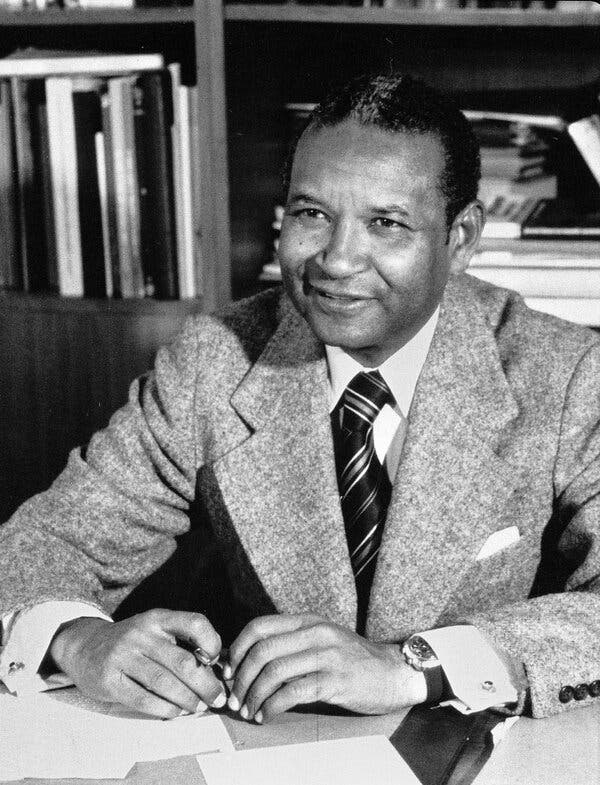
(477, 676)
(27, 636)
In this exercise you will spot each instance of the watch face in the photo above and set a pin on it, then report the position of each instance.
(421, 649)
(419, 654)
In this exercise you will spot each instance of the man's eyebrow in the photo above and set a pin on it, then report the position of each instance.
(302, 197)
(390, 209)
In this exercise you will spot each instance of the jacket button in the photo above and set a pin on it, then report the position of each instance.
(566, 694)
(594, 688)
(581, 692)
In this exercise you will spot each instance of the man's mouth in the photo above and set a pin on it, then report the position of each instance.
(329, 294)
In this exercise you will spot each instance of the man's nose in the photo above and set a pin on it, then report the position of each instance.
(343, 254)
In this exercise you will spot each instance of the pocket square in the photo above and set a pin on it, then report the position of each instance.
(498, 541)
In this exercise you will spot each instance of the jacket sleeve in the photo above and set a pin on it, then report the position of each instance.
(111, 517)
(557, 635)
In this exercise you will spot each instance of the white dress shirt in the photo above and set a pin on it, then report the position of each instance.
(471, 660)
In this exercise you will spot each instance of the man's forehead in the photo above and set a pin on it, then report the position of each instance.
(367, 155)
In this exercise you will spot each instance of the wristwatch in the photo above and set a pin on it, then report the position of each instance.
(421, 657)
(419, 654)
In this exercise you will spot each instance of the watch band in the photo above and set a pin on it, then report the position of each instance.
(434, 681)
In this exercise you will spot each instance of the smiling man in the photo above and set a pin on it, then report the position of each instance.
(397, 466)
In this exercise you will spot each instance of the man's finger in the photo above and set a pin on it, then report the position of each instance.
(193, 677)
(260, 628)
(162, 682)
(308, 689)
(270, 649)
(193, 628)
(135, 696)
(277, 673)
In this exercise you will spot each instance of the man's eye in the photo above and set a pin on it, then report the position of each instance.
(388, 223)
(309, 214)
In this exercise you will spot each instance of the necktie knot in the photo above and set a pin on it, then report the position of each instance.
(363, 399)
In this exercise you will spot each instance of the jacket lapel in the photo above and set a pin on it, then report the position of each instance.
(280, 484)
(451, 484)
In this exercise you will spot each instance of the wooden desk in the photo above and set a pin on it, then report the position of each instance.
(562, 750)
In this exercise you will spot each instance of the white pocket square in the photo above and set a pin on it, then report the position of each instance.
(498, 541)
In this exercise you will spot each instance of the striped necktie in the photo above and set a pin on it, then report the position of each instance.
(363, 482)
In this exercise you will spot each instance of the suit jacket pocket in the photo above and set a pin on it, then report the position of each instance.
(504, 577)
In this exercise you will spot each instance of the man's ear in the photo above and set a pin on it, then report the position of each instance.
(464, 235)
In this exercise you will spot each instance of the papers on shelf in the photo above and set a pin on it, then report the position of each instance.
(43, 737)
(340, 762)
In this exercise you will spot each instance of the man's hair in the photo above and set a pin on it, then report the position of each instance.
(401, 103)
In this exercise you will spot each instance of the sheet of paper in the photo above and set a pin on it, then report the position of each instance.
(357, 761)
(41, 736)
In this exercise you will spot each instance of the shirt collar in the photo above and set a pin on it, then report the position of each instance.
(400, 371)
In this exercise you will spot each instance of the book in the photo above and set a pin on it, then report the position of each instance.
(126, 189)
(108, 203)
(10, 267)
(32, 62)
(505, 216)
(559, 218)
(549, 274)
(63, 167)
(27, 97)
(153, 118)
(586, 135)
(49, 220)
(182, 184)
(99, 144)
(87, 119)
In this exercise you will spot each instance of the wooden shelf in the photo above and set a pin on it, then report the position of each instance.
(49, 303)
(406, 16)
(106, 16)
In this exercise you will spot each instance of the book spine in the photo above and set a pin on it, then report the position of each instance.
(155, 167)
(125, 179)
(28, 64)
(586, 135)
(111, 198)
(87, 119)
(180, 136)
(99, 144)
(49, 220)
(529, 281)
(10, 265)
(63, 166)
(196, 173)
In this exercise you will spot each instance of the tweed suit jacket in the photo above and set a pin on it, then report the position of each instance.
(232, 430)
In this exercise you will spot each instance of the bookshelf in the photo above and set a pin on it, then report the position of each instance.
(246, 62)
(68, 362)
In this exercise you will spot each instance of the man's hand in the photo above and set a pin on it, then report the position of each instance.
(278, 662)
(138, 663)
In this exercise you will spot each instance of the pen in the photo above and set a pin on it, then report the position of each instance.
(205, 659)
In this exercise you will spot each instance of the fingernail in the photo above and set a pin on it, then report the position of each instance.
(227, 672)
(200, 707)
(258, 717)
(233, 703)
(244, 712)
(204, 658)
(219, 701)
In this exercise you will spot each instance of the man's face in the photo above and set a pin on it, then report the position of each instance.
(363, 244)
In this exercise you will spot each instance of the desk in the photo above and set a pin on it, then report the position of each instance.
(561, 750)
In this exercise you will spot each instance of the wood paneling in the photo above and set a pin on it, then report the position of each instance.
(66, 365)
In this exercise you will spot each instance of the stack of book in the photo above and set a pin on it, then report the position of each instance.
(96, 175)
(515, 167)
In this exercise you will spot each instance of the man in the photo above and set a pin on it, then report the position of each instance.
(390, 448)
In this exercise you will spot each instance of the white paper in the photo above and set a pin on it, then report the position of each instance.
(357, 761)
(43, 737)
